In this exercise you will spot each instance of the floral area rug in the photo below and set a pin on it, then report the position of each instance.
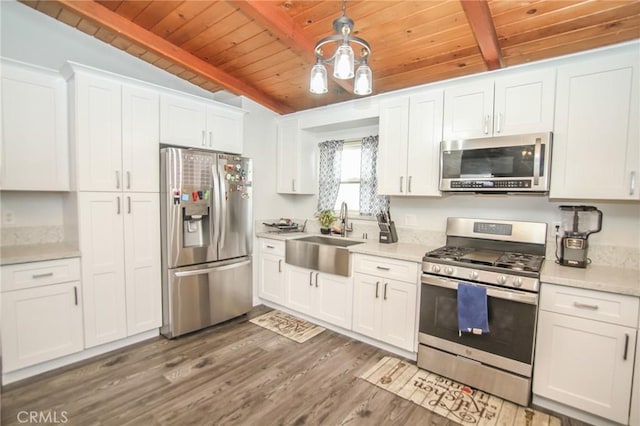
(289, 326)
(455, 401)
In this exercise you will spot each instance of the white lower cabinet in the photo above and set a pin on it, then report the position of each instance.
(585, 350)
(634, 418)
(324, 296)
(271, 270)
(384, 307)
(119, 239)
(41, 312)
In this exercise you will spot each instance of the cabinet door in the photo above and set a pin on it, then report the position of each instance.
(183, 122)
(524, 103)
(634, 418)
(300, 289)
(35, 146)
(468, 111)
(392, 147)
(596, 140)
(225, 130)
(102, 246)
(334, 298)
(40, 324)
(142, 261)
(398, 324)
(366, 304)
(287, 157)
(98, 122)
(140, 139)
(585, 364)
(425, 134)
(271, 277)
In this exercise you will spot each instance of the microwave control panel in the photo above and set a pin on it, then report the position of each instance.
(489, 184)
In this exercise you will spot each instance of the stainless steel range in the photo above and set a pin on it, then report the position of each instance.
(504, 257)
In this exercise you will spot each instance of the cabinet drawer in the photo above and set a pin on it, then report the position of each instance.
(600, 306)
(35, 274)
(272, 246)
(386, 268)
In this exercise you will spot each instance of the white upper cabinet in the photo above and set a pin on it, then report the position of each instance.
(410, 132)
(197, 124)
(596, 139)
(34, 137)
(116, 141)
(509, 105)
(295, 168)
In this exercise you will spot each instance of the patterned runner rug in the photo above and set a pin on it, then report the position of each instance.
(455, 401)
(288, 326)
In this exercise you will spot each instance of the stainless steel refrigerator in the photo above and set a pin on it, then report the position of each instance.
(206, 233)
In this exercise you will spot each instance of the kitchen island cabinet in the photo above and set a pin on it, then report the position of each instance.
(585, 352)
(596, 141)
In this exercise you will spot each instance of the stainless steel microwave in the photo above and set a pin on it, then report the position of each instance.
(519, 163)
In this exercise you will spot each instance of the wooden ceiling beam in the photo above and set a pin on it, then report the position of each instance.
(269, 15)
(105, 18)
(481, 22)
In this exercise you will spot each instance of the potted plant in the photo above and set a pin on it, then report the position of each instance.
(326, 219)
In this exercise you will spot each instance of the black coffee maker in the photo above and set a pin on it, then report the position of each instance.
(578, 222)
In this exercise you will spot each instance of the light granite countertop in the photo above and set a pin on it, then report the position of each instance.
(593, 277)
(10, 255)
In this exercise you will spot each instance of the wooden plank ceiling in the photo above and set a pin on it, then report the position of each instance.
(264, 49)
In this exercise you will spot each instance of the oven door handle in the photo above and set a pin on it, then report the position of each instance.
(516, 296)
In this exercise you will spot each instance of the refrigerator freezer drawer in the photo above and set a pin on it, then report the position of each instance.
(203, 295)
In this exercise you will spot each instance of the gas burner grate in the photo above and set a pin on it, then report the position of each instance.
(520, 262)
(448, 253)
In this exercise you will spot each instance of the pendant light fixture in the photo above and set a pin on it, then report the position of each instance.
(343, 59)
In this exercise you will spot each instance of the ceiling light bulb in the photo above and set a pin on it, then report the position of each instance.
(343, 68)
(318, 80)
(363, 83)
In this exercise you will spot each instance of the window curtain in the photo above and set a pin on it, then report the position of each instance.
(329, 173)
(370, 202)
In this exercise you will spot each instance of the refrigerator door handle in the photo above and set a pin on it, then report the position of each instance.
(213, 207)
(207, 270)
(223, 206)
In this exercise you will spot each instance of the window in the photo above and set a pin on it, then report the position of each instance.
(348, 173)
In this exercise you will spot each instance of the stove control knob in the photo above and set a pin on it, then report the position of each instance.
(448, 270)
(517, 282)
(501, 279)
(473, 275)
(435, 268)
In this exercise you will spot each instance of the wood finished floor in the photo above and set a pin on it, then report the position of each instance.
(236, 373)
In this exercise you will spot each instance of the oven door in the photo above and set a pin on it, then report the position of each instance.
(512, 325)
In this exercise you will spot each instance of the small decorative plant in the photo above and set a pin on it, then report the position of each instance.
(326, 218)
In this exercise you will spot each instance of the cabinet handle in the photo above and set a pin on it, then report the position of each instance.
(409, 184)
(293, 185)
(46, 274)
(210, 139)
(204, 138)
(128, 204)
(377, 285)
(75, 295)
(279, 265)
(317, 273)
(486, 124)
(401, 182)
(385, 291)
(383, 268)
(585, 306)
(626, 346)
(128, 179)
(632, 186)
(270, 246)
(118, 204)
(311, 279)
(117, 179)
(499, 122)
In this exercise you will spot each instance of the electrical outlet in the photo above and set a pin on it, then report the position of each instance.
(555, 228)
(8, 217)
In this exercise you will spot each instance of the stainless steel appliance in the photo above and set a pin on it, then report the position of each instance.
(504, 257)
(206, 236)
(500, 164)
(578, 222)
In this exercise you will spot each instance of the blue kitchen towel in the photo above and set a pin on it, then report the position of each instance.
(473, 316)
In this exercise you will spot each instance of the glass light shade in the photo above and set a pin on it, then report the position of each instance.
(318, 80)
(343, 67)
(363, 83)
